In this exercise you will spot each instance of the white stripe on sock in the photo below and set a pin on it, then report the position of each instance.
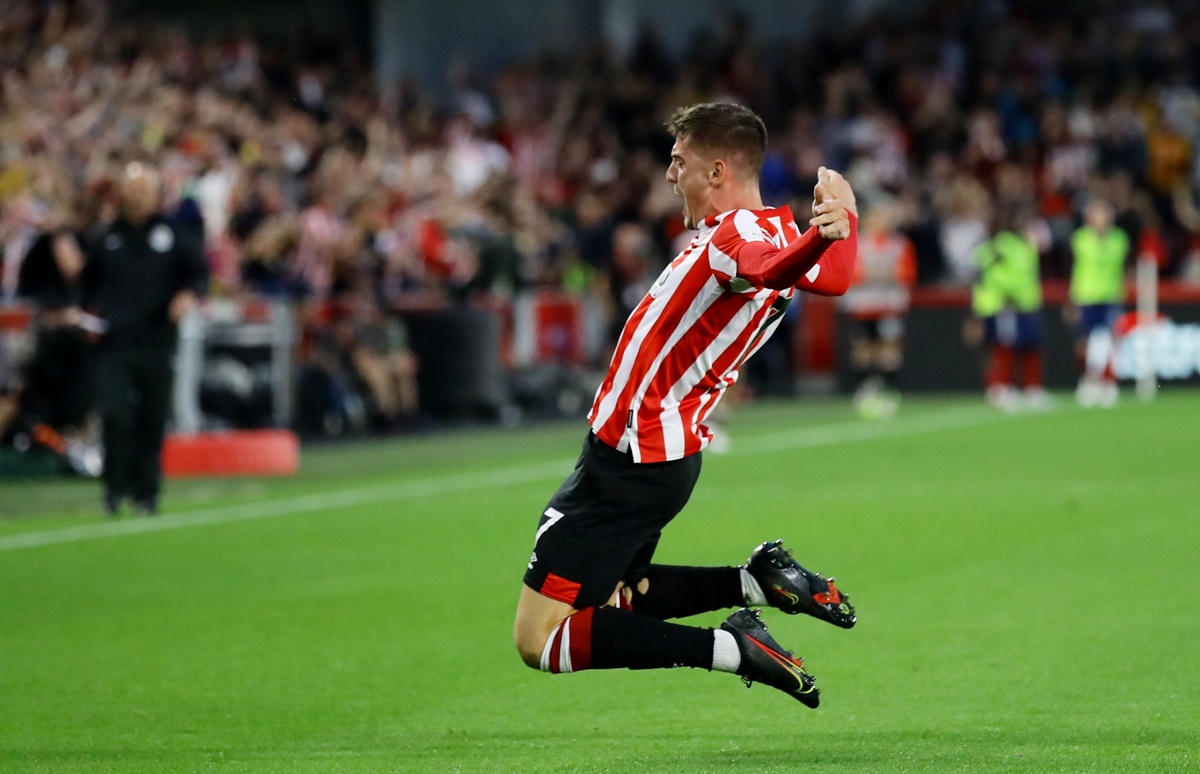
(545, 664)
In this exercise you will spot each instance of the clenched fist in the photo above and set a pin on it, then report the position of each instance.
(833, 202)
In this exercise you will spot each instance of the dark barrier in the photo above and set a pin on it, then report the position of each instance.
(937, 359)
(460, 373)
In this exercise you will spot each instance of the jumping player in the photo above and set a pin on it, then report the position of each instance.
(591, 597)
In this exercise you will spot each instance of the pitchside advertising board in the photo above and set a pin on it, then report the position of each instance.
(1169, 350)
(937, 358)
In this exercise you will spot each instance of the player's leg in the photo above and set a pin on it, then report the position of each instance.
(555, 637)
(155, 379)
(1000, 330)
(1030, 349)
(677, 591)
(116, 400)
(864, 348)
(1097, 383)
(566, 621)
(672, 591)
(615, 638)
(1086, 389)
(770, 577)
(889, 359)
(601, 528)
(596, 526)
(1108, 378)
(860, 351)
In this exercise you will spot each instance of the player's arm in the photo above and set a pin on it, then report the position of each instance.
(833, 274)
(821, 260)
(193, 275)
(811, 262)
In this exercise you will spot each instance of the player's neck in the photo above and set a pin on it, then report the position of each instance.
(735, 195)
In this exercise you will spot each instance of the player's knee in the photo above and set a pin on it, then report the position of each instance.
(530, 645)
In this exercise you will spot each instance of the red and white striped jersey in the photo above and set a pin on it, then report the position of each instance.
(712, 308)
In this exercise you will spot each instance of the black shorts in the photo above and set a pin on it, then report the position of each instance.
(604, 522)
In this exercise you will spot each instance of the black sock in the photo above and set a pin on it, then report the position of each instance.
(677, 592)
(625, 639)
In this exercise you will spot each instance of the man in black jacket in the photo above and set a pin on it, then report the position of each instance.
(57, 388)
(144, 273)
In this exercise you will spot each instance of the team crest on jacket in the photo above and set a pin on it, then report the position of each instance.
(161, 238)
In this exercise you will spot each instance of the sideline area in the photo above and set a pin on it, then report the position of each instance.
(926, 416)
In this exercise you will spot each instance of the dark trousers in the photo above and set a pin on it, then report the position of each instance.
(134, 396)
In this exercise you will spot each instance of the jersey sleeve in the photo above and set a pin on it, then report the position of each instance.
(833, 272)
(743, 251)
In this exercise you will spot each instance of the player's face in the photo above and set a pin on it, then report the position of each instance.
(140, 191)
(1098, 215)
(690, 174)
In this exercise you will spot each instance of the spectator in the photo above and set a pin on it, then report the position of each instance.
(383, 360)
(53, 403)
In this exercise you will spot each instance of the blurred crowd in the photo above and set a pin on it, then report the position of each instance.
(311, 179)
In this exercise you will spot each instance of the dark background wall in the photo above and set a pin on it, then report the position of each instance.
(418, 38)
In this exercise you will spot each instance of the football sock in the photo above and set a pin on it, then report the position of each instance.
(610, 638)
(677, 592)
(1031, 365)
(726, 655)
(1000, 371)
(752, 593)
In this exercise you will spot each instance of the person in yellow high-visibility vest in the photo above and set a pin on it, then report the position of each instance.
(1008, 300)
(1097, 292)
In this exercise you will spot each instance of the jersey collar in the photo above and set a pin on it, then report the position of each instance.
(712, 221)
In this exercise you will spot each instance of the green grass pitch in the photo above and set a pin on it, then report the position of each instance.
(1027, 586)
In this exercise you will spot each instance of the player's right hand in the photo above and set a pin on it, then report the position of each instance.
(831, 219)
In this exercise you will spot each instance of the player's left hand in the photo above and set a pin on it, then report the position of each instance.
(831, 185)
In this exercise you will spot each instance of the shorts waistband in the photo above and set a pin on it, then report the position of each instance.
(606, 452)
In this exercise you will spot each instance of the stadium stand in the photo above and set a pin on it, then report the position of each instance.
(315, 184)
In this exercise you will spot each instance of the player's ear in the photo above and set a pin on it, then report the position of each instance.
(717, 172)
